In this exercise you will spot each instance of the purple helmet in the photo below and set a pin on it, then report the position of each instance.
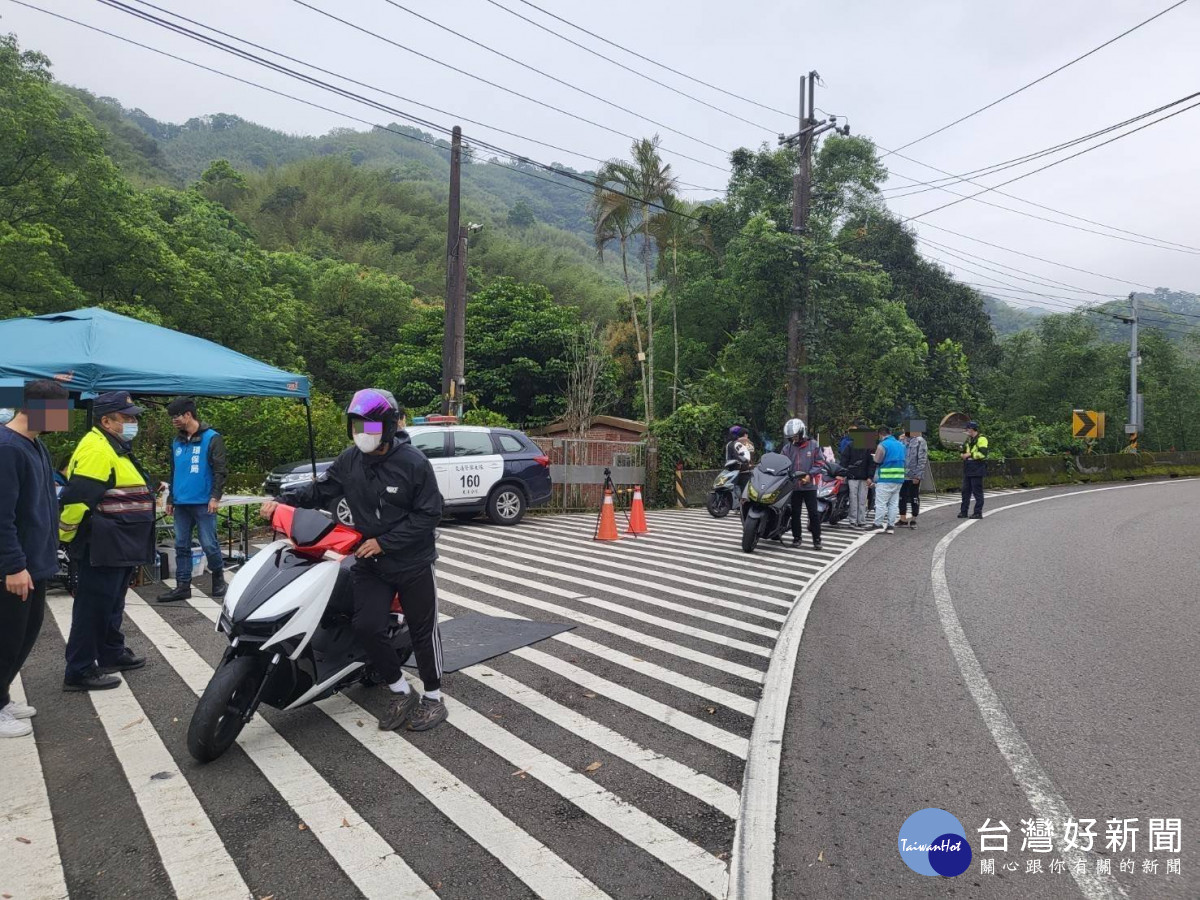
(736, 431)
(374, 405)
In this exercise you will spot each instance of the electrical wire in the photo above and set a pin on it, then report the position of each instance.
(1036, 280)
(655, 62)
(621, 65)
(554, 78)
(496, 85)
(1039, 80)
(1058, 162)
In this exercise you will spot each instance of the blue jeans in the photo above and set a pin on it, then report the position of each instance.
(186, 518)
(95, 636)
(887, 503)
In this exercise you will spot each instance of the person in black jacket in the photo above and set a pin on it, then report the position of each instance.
(28, 537)
(393, 495)
(860, 470)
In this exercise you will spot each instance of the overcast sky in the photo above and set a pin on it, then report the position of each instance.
(897, 70)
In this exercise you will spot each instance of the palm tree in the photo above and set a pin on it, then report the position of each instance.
(674, 228)
(639, 187)
(612, 220)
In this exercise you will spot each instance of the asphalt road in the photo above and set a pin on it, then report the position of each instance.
(1081, 611)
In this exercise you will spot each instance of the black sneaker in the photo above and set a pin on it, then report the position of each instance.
(889, 530)
(219, 585)
(962, 515)
(912, 523)
(126, 661)
(429, 714)
(92, 681)
(816, 545)
(977, 516)
(399, 711)
(181, 591)
(797, 542)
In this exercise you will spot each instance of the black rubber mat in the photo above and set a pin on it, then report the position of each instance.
(472, 639)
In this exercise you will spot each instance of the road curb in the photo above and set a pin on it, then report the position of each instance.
(752, 867)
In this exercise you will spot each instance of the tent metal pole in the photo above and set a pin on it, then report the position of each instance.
(312, 439)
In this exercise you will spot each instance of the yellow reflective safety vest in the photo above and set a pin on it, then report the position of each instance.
(108, 505)
(975, 465)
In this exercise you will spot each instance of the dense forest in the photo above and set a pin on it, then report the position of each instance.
(326, 255)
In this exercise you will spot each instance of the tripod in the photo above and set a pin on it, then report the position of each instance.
(609, 487)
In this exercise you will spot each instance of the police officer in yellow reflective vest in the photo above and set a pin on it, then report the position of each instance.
(107, 521)
(974, 457)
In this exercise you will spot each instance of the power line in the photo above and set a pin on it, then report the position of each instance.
(1039, 80)
(554, 78)
(1068, 158)
(621, 65)
(572, 176)
(1040, 282)
(655, 62)
(494, 84)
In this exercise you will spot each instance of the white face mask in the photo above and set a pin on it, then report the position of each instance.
(7, 415)
(367, 443)
(129, 431)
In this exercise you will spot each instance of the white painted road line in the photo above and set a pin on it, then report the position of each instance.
(366, 858)
(602, 554)
(699, 633)
(636, 596)
(630, 823)
(702, 689)
(191, 851)
(674, 773)
(752, 869)
(639, 703)
(574, 566)
(630, 634)
(1043, 796)
(32, 868)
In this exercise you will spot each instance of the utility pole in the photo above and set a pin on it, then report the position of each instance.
(803, 140)
(1135, 425)
(455, 317)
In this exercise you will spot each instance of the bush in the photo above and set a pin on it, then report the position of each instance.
(694, 435)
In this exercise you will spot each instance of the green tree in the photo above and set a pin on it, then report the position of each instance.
(521, 215)
(222, 183)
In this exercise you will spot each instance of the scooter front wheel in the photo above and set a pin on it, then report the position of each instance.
(750, 531)
(220, 714)
(719, 504)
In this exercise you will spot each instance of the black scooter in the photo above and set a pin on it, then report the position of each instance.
(767, 508)
(726, 490)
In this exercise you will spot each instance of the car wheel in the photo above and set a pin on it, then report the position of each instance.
(506, 505)
(341, 512)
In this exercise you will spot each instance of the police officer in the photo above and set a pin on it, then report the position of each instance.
(107, 521)
(198, 473)
(974, 457)
(393, 495)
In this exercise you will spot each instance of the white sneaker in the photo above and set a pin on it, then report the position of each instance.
(13, 727)
(20, 710)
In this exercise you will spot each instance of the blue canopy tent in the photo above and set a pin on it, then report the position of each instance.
(93, 350)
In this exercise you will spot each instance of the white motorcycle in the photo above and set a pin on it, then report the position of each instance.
(287, 616)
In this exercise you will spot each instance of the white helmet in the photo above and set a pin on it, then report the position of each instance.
(793, 428)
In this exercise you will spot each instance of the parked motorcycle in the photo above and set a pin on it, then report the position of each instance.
(767, 510)
(833, 495)
(287, 617)
(726, 492)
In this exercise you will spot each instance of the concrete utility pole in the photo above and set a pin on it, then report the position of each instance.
(803, 140)
(456, 313)
(1136, 424)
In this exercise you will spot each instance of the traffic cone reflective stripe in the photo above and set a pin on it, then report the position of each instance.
(608, 520)
(637, 515)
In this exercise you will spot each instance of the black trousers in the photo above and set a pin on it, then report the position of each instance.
(910, 495)
(972, 486)
(20, 622)
(374, 586)
(801, 500)
(96, 617)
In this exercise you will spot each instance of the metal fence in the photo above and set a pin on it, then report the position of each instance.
(577, 468)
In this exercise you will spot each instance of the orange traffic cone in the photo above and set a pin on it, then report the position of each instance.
(637, 514)
(608, 520)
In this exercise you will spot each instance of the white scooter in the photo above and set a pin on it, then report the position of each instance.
(287, 617)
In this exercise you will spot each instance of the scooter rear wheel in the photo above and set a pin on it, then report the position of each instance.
(218, 718)
(719, 504)
(750, 531)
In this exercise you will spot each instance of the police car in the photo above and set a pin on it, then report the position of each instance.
(498, 471)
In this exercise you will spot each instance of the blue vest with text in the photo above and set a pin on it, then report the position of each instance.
(193, 481)
(891, 470)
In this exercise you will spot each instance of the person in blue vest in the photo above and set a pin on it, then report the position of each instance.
(198, 473)
(889, 478)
